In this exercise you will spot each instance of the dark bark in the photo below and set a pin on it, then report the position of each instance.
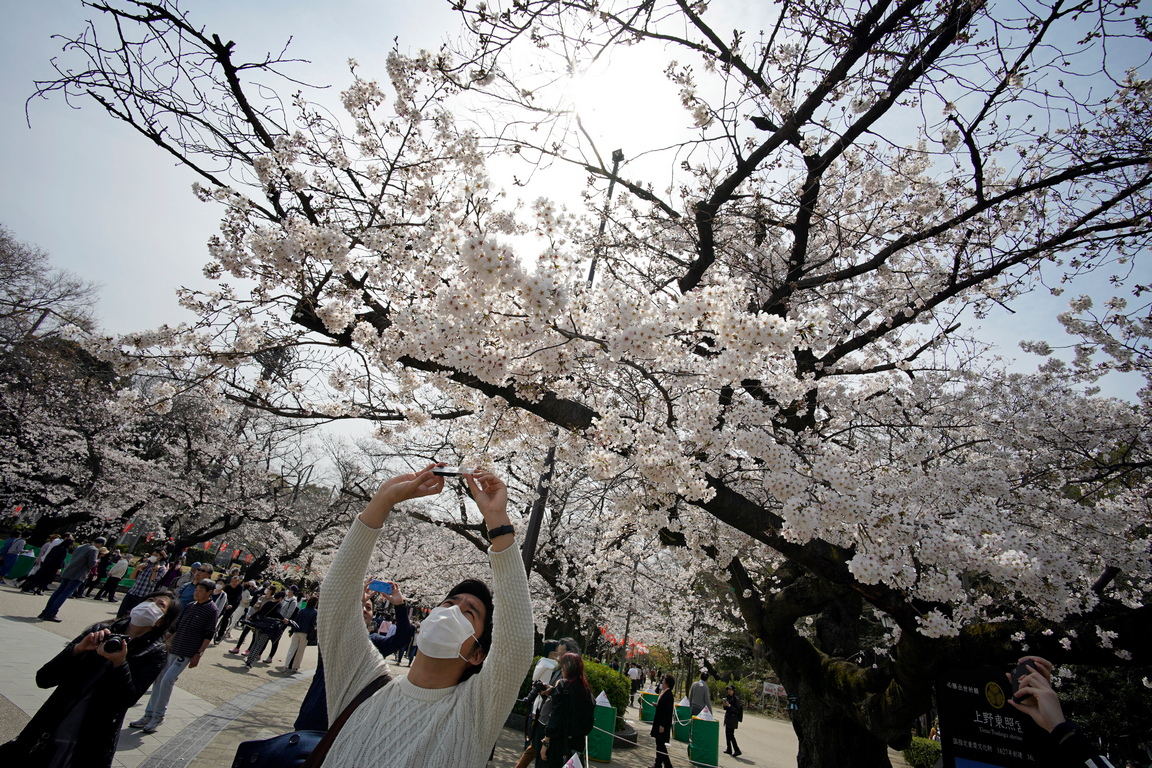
(50, 524)
(256, 568)
(828, 738)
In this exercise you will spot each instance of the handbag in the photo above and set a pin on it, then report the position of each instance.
(301, 749)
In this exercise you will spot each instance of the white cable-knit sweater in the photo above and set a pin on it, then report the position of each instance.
(402, 725)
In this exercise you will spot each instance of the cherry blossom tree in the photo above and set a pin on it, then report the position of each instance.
(770, 369)
(62, 456)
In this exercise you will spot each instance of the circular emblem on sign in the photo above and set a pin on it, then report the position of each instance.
(995, 695)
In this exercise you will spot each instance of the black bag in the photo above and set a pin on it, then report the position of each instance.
(583, 715)
(288, 750)
(300, 749)
(265, 624)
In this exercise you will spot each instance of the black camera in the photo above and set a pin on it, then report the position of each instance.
(114, 643)
(537, 687)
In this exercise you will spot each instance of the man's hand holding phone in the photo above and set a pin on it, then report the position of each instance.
(1034, 695)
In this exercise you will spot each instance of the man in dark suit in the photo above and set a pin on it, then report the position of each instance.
(662, 722)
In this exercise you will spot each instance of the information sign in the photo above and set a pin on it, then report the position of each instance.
(979, 728)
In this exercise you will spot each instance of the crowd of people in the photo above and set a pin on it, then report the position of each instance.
(466, 657)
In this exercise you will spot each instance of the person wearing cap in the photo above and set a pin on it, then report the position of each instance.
(189, 575)
(199, 572)
(72, 577)
(116, 571)
(474, 646)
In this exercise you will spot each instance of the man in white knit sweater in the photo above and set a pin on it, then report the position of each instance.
(444, 714)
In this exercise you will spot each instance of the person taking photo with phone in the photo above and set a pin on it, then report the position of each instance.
(1035, 697)
(474, 646)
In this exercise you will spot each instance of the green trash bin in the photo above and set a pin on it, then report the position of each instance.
(24, 564)
(648, 706)
(682, 725)
(704, 748)
(603, 732)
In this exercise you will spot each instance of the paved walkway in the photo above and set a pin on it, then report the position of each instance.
(222, 703)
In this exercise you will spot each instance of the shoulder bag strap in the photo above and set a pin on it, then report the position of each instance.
(316, 759)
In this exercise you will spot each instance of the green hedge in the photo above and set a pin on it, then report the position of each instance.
(600, 678)
(922, 753)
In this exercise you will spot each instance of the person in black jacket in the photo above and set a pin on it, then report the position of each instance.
(50, 565)
(733, 714)
(267, 625)
(1071, 748)
(571, 714)
(662, 722)
(313, 715)
(79, 724)
(234, 590)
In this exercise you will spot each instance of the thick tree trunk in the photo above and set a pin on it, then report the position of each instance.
(47, 525)
(255, 569)
(830, 740)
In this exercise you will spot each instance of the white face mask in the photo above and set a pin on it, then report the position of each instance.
(146, 614)
(153, 559)
(444, 631)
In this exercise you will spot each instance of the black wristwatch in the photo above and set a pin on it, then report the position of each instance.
(500, 531)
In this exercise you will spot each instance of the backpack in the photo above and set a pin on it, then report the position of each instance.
(583, 715)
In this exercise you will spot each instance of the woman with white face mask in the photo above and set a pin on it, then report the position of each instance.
(470, 660)
(97, 677)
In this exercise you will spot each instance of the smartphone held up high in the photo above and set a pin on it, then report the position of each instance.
(452, 471)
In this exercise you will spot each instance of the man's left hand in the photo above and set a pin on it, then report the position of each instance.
(489, 493)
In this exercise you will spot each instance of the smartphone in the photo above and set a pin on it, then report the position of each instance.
(1021, 669)
(450, 471)
(381, 586)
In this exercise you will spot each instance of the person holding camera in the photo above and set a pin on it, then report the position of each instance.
(97, 677)
(572, 715)
(542, 678)
(544, 705)
(474, 646)
(1036, 698)
(193, 634)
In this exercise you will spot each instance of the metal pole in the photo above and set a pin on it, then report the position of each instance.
(617, 158)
